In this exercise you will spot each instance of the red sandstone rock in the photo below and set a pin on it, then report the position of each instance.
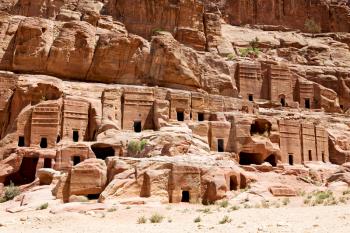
(88, 177)
(191, 95)
(282, 191)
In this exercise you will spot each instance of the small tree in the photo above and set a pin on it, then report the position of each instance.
(136, 148)
(312, 27)
(11, 192)
(252, 51)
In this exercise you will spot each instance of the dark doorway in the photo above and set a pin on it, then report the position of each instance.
(310, 155)
(185, 196)
(249, 158)
(272, 160)
(180, 116)
(47, 163)
(200, 116)
(58, 139)
(250, 97)
(93, 196)
(76, 160)
(26, 172)
(283, 102)
(102, 152)
(43, 143)
(307, 103)
(137, 126)
(221, 147)
(233, 183)
(75, 135)
(21, 142)
(290, 159)
(323, 158)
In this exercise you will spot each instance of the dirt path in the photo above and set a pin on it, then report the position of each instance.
(180, 218)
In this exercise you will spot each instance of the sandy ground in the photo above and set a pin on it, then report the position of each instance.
(180, 218)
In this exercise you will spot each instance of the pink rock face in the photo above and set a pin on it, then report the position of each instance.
(166, 99)
(88, 177)
(72, 51)
(32, 46)
(288, 13)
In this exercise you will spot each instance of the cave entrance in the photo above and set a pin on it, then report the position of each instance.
(47, 163)
(283, 101)
(25, 174)
(272, 160)
(75, 135)
(221, 143)
(290, 159)
(180, 115)
(249, 158)
(43, 143)
(310, 155)
(260, 126)
(137, 126)
(102, 152)
(251, 97)
(93, 196)
(21, 141)
(200, 116)
(58, 139)
(323, 157)
(76, 160)
(185, 196)
(307, 103)
(233, 183)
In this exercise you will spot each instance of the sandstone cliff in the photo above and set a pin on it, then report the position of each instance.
(149, 86)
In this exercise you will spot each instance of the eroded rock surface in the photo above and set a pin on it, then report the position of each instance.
(172, 100)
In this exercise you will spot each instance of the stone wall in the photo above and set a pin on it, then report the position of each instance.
(75, 119)
(290, 141)
(45, 125)
(290, 13)
(138, 107)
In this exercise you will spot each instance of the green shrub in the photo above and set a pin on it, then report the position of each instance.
(312, 27)
(254, 43)
(205, 210)
(10, 192)
(156, 218)
(225, 219)
(112, 209)
(231, 57)
(324, 197)
(223, 203)
(253, 49)
(235, 207)
(249, 52)
(43, 206)
(143, 144)
(136, 147)
(286, 201)
(342, 200)
(265, 204)
(198, 219)
(141, 220)
(155, 31)
(346, 192)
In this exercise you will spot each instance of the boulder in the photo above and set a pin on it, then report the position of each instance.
(88, 177)
(46, 175)
(281, 190)
(9, 165)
